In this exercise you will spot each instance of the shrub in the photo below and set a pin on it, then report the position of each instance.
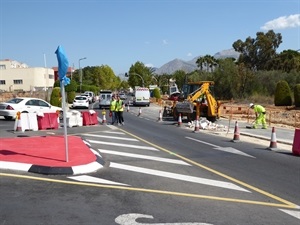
(156, 93)
(55, 99)
(283, 96)
(297, 95)
(71, 95)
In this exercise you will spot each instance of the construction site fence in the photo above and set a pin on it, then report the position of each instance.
(273, 116)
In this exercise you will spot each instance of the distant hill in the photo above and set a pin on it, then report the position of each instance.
(190, 66)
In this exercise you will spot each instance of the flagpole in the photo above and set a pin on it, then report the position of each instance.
(64, 118)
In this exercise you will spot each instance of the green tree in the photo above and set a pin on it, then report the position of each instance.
(208, 62)
(297, 95)
(283, 96)
(140, 75)
(256, 53)
(287, 61)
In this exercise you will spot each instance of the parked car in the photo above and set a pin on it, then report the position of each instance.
(81, 102)
(104, 99)
(10, 108)
(122, 96)
(91, 96)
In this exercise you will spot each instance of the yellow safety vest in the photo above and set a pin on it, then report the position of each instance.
(119, 106)
(113, 105)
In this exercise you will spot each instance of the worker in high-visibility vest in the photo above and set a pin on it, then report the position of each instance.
(112, 110)
(119, 109)
(260, 115)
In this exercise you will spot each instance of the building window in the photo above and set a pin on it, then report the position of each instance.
(18, 81)
(2, 82)
(2, 67)
(51, 76)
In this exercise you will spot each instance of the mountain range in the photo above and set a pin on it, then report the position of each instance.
(190, 66)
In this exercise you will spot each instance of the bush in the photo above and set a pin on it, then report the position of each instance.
(156, 93)
(297, 95)
(71, 95)
(283, 96)
(55, 99)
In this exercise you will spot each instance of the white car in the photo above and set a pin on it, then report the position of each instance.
(81, 101)
(10, 108)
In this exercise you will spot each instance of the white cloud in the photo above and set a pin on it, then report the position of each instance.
(189, 54)
(283, 22)
(150, 65)
(165, 42)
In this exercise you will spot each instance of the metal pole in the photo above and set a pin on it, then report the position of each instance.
(80, 72)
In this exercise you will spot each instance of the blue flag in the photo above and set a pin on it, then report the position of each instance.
(63, 65)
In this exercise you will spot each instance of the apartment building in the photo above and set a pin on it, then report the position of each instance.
(16, 76)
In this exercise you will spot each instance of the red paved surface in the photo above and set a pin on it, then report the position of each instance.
(46, 151)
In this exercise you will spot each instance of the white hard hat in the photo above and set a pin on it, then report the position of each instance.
(250, 105)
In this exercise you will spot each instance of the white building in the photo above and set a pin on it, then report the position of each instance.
(16, 76)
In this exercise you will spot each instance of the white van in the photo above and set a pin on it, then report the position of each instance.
(104, 99)
(141, 96)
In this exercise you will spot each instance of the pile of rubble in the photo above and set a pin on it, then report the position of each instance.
(205, 124)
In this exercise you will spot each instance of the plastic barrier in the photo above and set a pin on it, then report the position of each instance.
(89, 117)
(296, 143)
(74, 119)
(26, 121)
(47, 121)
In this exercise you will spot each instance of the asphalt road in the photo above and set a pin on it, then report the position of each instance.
(160, 173)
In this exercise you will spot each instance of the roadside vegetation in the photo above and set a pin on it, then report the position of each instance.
(257, 75)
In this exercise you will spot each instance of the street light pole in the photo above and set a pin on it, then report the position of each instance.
(126, 75)
(80, 73)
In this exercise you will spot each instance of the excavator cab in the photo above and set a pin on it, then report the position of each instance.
(197, 100)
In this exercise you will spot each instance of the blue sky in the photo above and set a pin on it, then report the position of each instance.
(119, 33)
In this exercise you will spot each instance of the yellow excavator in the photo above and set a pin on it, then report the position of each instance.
(197, 101)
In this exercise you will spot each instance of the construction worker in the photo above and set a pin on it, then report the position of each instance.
(119, 109)
(112, 109)
(260, 115)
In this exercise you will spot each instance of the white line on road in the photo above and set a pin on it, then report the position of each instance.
(110, 137)
(130, 219)
(90, 179)
(176, 176)
(175, 161)
(224, 149)
(292, 213)
(124, 145)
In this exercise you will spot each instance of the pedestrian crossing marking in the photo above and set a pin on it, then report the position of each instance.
(175, 161)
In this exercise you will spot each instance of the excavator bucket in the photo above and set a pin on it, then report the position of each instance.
(184, 107)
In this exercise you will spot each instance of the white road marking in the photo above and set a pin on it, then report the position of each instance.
(176, 176)
(90, 179)
(111, 137)
(292, 213)
(224, 149)
(113, 132)
(15, 166)
(130, 219)
(123, 145)
(175, 161)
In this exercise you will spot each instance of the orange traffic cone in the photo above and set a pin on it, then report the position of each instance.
(179, 120)
(18, 126)
(140, 111)
(159, 116)
(236, 136)
(273, 142)
(197, 124)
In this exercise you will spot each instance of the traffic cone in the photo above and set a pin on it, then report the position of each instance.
(159, 116)
(196, 124)
(103, 116)
(140, 111)
(179, 120)
(236, 136)
(273, 142)
(18, 126)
